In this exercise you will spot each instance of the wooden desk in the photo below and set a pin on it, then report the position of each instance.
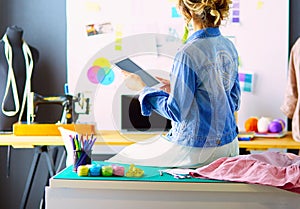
(286, 142)
(149, 194)
(115, 138)
(103, 138)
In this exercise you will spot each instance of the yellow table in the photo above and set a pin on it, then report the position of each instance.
(103, 138)
(115, 138)
(286, 142)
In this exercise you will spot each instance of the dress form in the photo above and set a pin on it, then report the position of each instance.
(14, 36)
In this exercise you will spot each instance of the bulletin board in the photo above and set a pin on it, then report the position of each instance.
(149, 32)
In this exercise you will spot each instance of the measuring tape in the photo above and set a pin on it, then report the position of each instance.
(11, 81)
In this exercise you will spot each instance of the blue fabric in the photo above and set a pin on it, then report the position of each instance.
(205, 92)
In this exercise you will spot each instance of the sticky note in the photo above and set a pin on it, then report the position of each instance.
(175, 13)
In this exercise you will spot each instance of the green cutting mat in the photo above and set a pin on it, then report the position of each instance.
(150, 174)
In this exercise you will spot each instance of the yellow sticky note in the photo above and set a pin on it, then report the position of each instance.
(92, 7)
(260, 4)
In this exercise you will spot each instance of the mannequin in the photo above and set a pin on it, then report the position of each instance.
(8, 99)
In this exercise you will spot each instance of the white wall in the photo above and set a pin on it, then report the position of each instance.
(261, 38)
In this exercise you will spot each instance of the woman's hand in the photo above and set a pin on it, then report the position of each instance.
(133, 81)
(166, 84)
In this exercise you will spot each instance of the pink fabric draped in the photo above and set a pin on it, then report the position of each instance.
(277, 169)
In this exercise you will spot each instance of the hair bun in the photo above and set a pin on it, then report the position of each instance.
(210, 12)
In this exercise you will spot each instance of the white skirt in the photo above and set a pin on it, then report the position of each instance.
(160, 152)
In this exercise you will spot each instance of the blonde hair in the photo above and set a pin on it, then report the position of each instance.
(209, 12)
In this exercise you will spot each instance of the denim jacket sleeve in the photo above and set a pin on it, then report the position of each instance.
(155, 100)
(236, 93)
(175, 105)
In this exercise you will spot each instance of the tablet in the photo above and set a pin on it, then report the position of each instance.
(130, 66)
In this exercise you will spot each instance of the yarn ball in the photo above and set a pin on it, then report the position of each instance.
(251, 124)
(263, 124)
(83, 170)
(95, 170)
(118, 170)
(276, 126)
(107, 170)
(282, 122)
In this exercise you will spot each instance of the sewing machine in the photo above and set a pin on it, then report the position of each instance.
(72, 106)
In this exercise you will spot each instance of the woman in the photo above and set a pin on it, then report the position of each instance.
(204, 94)
(291, 102)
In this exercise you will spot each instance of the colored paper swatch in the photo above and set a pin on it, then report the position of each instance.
(246, 81)
(235, 11)
(175, 13)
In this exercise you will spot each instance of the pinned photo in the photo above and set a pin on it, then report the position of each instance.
(95, 29)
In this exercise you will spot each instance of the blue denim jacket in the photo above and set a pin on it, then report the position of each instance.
(205, 92)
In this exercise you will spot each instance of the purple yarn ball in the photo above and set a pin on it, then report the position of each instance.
(275, 127)
(281, 121)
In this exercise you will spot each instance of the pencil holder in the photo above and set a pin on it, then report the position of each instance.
(81, 158)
